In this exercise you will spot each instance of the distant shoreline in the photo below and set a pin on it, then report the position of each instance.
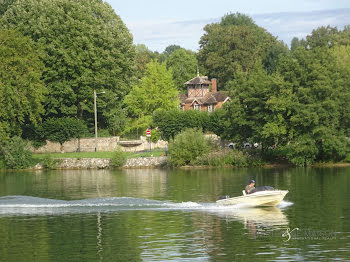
(154, 162)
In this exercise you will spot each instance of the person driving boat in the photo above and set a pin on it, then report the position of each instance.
(250, 187)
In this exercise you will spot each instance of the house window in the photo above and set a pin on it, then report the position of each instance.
(210, 108)
(196, 107)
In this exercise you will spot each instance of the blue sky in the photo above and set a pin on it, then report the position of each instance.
(159, 23)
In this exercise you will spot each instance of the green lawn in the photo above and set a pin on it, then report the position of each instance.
(99, 154)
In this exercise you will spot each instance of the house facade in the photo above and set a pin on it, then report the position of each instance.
(202, 95)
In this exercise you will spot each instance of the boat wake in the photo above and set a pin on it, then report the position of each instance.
(26, 205)
(284, 204)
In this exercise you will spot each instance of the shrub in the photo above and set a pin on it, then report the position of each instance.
(48, 162)
(226, 157)
(17, 154)
(187, 146)
(119, 158)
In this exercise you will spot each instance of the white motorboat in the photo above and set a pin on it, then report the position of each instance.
(260, 198)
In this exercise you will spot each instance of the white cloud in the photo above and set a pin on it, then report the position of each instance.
(158, 34)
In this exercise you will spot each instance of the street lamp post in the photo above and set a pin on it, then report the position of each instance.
(95, 111)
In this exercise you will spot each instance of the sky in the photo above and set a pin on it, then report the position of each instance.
(160, 23)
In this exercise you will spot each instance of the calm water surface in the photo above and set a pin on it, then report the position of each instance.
(162, 215)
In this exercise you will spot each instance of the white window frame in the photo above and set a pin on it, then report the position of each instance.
(196, 107)
(210, 108)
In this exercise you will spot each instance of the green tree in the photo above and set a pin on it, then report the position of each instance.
(116, 120)
(155, 91)
(170, 49)
(321, 101)
(273, 55)
(235, 44)
(322, 37)
(301, 109)
(341, 55)
(302, 151)
(296, 43)
(61, 129)
(142, 58)
(259, 109)
(21, 88)
(87, 47)
(183, 64)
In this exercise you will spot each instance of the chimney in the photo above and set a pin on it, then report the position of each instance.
(213, 85)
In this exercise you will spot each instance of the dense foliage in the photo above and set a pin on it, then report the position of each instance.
(142, 58)
(87, 47)
(17, 154)
(61, 129)
(183, 64)
(21, 88)
(187, 146)
(156, 90)
(235, 45)
(301, 110)
(172, 122)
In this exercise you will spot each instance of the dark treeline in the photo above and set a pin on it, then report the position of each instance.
(55, 53)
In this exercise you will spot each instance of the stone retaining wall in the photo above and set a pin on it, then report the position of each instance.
(83, 163)
(104, 144)
(100, 163)
(145, 162)
(86, 145)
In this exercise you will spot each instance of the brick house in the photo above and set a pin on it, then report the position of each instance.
(202, 95)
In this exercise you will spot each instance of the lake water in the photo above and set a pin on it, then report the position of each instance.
(171, 215)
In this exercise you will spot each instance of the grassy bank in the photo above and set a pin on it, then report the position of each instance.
(155, 153)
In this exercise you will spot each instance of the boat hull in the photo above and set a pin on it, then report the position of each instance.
(261, 198)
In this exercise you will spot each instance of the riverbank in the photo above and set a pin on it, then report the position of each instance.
(105, 163)
(154, 159)
(153, 162)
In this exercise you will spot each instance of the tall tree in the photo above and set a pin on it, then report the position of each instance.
(142, 58)
(235, 44)
(155, 91)
(87, 47)
(171, 49)
(322, 37)
(21, 88)
(183, 64)
(320, 105)
(259, 110)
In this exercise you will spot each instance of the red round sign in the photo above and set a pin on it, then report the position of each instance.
(148, 132)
